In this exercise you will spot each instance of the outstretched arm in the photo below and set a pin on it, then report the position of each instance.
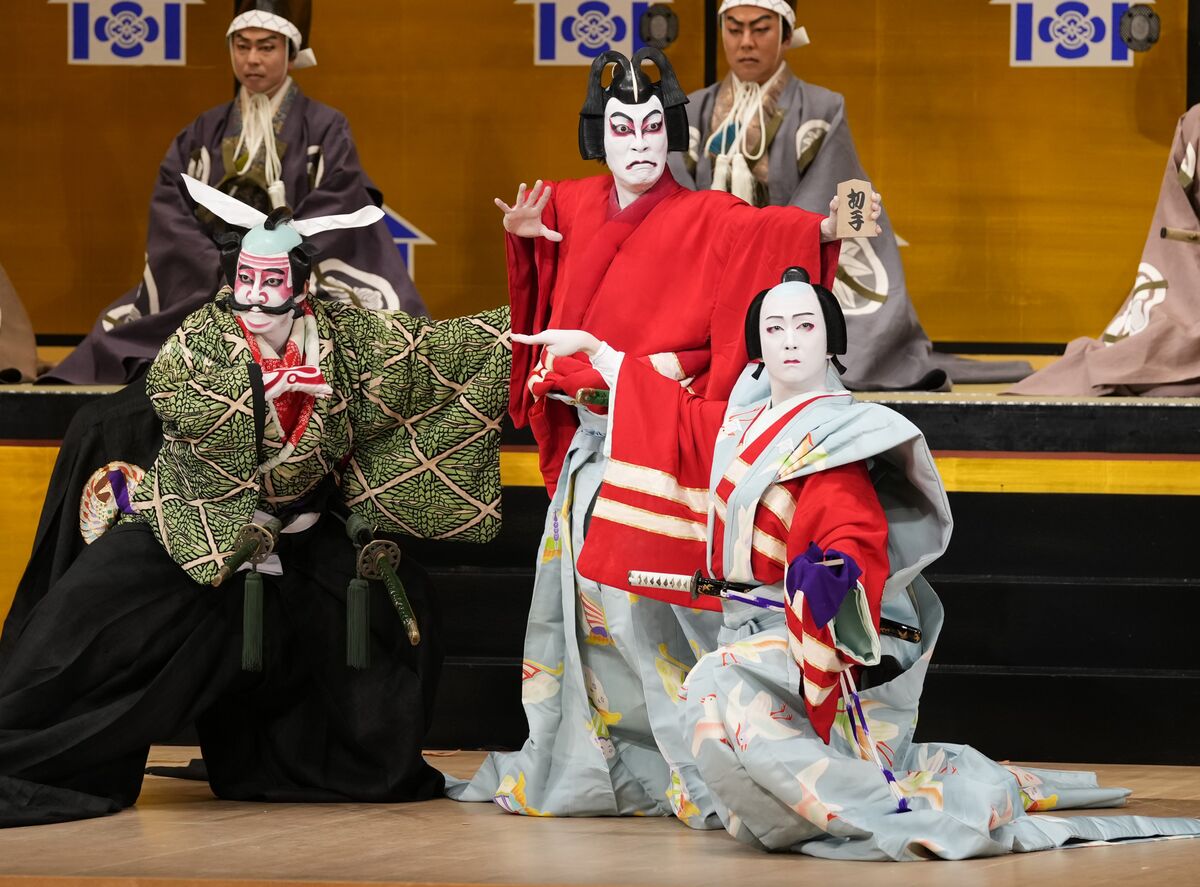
(561, 343)
(524, 217)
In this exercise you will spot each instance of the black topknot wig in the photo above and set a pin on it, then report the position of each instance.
(631, 85)
(831, 311)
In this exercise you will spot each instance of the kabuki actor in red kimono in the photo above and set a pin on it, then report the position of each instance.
(664, 274)
(806, 518)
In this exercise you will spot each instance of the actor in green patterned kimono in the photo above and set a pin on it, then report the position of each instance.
(274, 408)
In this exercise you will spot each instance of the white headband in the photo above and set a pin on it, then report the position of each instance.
(779, 7)
(269, 21)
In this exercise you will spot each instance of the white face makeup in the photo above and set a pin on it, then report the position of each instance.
(635, 146)
(794, 340)
(265, 281)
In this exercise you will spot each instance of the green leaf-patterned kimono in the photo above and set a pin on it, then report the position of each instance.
(132, 644)
(414, 419)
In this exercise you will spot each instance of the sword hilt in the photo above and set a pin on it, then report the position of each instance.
(668, 581)
(698, 585)
(892, 628)
(592, 397)
(379, 560)
(255, 542)
(400, 601)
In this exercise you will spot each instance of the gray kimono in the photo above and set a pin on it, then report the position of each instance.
(18, 353)
(810, 151)
(1152, 347)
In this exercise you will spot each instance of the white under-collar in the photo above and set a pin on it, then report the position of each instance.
(771, 414)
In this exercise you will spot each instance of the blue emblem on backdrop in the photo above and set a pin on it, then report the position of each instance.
(406, 235)
(127, 32)
(1061, 33)
(573, 32)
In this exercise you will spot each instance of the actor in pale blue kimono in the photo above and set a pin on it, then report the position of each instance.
(782, 749)
(773, 782)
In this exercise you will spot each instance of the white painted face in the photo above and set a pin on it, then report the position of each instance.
(264, 281)
(794, 340)
(635, 143)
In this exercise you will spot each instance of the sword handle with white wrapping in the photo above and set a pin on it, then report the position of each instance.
(698, 584)
(670, 581)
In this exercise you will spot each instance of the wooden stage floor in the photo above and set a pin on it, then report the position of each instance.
(179, 833)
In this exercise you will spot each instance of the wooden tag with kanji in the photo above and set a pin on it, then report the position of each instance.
(854, 209)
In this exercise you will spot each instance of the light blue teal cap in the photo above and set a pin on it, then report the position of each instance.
(277, 242)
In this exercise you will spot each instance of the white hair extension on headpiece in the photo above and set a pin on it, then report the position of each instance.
(241, 214)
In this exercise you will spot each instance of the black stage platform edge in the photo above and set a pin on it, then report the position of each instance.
(1011, 425)
(1017, 348)
(949, 423)
(69, 340)
(1027, 426)
(61, 340)
(1119, 718)
(40, 414)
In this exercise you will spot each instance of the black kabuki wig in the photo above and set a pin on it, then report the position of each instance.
(631, 86)
(300, 260)
(831, 311)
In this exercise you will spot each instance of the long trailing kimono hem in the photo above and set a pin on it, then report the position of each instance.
(770, 749)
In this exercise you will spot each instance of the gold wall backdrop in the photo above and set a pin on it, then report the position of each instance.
(1025, 193)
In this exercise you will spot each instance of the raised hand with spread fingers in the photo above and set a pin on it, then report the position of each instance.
(524, 217)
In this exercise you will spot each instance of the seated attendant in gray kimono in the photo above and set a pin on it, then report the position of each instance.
(282, 417)
(18, 351)
(820, 513)
(270, 146)
(776, 140)
(1149, 348)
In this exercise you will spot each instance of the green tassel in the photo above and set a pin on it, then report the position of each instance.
(252, 622)
(358, 624)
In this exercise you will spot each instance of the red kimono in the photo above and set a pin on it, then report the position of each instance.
(652, 513)
(668, 278)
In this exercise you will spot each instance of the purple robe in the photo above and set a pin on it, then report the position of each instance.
(322, 176)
